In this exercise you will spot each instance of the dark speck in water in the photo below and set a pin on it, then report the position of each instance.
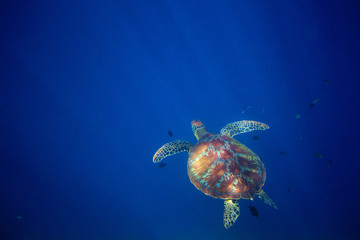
(330, 163)
(253, 211)
(283, 153)
(318, 155)
(170, 133)
(162, 165)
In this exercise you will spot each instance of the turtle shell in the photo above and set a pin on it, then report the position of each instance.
(222, 167)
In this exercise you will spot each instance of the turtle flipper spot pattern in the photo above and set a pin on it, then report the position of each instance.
(231, 213)
(244, 126)
(263, 196)
(171, 148)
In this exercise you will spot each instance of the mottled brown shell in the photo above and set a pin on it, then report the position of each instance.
(222, 167)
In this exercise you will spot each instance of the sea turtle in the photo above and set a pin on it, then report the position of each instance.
(222, 167)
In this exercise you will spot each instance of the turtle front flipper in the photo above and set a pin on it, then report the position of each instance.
(263, 196)
(244, 126)
(231, 213)
(171, 148)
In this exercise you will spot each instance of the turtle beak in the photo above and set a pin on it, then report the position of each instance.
(195, 124)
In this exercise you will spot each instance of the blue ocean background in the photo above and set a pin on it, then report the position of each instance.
(90, 89)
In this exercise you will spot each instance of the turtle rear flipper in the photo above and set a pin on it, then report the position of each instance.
(244, 126)
(231, 213)
(263, 196)
(171, 148)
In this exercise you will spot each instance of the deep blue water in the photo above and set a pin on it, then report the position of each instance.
(90, 89)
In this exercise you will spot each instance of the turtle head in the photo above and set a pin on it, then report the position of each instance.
(198, 128)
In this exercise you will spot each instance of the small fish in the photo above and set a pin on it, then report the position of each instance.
(297, 116)
(318, 155)
(170, 133)
(255, 138)
(330, 163)
(253, 211)
(283, 153)
(245, 109)
(328, 82)
(263, 111)
(19, 217)
(289, 189)
(314, 102)
(162, 165)
(302, 136)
